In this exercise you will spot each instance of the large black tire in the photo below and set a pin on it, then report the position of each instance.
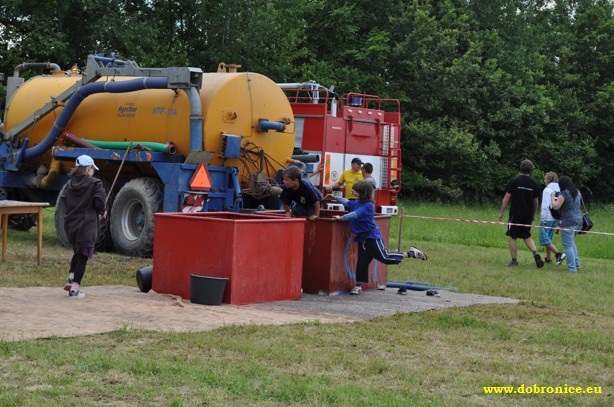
(22, 222)
(132, 216)
(104, 242)
(60, 212)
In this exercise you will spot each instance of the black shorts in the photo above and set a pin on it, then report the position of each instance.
(519, 232)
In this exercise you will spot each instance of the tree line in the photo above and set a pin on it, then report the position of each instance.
(483, 84)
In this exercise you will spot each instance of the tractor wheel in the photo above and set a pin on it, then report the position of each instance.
(132, 216)
(105, 242)
(60, 212)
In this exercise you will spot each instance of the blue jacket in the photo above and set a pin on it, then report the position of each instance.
(361, 218)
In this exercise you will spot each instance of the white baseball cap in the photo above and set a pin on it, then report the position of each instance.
(85, 161)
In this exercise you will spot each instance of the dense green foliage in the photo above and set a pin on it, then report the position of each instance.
(483, 83)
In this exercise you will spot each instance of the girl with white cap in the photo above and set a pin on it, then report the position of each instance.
(84, 200)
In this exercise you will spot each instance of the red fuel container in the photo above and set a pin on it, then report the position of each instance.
(262, 256)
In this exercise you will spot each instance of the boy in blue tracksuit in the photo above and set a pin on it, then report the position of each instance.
(370, 244)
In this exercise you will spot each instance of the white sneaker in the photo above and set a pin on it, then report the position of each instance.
(356, 290)
(76, 294)
(416, 253)
(560, 256)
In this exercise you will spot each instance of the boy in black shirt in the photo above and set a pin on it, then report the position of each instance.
(299, 196)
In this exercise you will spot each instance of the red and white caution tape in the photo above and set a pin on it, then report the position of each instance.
(488, 222)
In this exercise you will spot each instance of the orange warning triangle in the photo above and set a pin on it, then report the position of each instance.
(200, 180)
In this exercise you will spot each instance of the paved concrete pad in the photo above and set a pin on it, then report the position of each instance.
(39, 312)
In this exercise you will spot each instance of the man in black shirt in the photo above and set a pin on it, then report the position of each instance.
(524, 194)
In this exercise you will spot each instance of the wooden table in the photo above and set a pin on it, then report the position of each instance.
(22, 208)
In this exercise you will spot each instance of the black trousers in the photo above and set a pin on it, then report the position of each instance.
(373, 249)
(77, 266)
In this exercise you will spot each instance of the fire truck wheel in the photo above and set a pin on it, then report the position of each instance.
(104, 242)
(132, 216)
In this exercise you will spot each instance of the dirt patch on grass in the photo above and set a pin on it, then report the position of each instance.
(40, 312)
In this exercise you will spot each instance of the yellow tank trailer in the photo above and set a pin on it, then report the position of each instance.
(239, 124)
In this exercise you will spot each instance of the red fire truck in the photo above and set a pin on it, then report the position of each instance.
(339, 128)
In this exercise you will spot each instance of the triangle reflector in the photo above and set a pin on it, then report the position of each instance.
(200, 181)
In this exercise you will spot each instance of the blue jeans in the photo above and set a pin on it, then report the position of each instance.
(569, 243)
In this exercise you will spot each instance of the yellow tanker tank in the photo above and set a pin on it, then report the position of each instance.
(232, 103)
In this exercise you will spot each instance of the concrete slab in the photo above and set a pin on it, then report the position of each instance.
(40, 312)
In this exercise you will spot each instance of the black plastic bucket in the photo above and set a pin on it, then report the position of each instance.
(207, 290)
(143, 278)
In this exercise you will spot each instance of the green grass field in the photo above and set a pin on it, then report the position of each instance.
(558, 336)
